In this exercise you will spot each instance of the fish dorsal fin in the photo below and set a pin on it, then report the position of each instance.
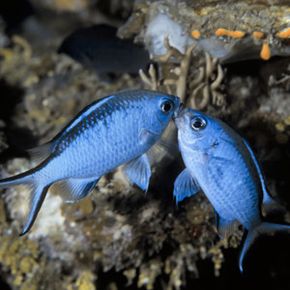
(82, 114)
(41, 152)
(185, 186)
(138, 172)
(72, 190)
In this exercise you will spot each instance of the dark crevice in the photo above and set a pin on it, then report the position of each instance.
(17, 138)
(14, 12)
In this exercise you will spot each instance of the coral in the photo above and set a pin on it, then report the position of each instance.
(197, 87)
(248, 29)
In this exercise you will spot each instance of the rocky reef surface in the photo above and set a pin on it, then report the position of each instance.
(118, 237)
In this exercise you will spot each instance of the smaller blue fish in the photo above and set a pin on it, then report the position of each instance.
(221, 164)
(115, 130)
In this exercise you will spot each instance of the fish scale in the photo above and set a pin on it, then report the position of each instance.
(223, 165)
(118, 129)
(228, 190)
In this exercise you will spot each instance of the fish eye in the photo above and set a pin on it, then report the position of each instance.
(166, 106)
(198, 123)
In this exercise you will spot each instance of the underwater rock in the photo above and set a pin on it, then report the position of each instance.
(120, 9)
(63, 5)
(162, 27)
(248, 29)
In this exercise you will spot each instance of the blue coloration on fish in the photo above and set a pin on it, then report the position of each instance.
(221, 163)
(118, 129)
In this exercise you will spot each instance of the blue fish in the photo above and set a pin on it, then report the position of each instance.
(115, 130)
(221, 164)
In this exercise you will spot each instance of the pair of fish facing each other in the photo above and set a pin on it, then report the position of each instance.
(121, 128)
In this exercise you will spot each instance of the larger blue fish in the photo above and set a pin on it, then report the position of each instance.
(221, 164)
(118, 129)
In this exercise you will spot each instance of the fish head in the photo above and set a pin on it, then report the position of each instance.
(196, 130)
(163, 108)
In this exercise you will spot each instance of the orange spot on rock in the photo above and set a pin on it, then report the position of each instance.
(284, 33)
(230, 33)
(258, 34)
(265, 53)
(195, 34)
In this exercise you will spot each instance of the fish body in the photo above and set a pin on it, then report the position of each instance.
(221, 164)
(115, 130)
(99, 48)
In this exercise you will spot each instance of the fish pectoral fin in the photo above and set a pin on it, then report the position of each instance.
(163, 148)
(185, 186)
(225, 227)
(138, 172)
(72, 189)
(147, 137)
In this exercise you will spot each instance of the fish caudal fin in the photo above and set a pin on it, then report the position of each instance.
(38, 196)
(263, 228)
(271, 206)
(37, 193)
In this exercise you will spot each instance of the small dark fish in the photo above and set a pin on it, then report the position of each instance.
(98, 47)
(222, 164)
(118, 129)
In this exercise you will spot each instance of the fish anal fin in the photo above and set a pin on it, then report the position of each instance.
(225, 227)
(138, 171)
(185, 186)
(72, 190)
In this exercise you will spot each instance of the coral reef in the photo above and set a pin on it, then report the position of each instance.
(119, 237)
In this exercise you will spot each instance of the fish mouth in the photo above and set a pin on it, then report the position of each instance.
(179, 114)
(178, 111)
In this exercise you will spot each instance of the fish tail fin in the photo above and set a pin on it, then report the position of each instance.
(263, 228)
(272, 206)
(37, 193)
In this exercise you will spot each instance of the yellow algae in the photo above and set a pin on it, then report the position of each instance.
(27, 285)
(230, 33)
(287, 121)
(86, 281)
(265, 53)
(195, 34)
(280, 127)
(284, 34)
(258, 34)
(27, 264)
